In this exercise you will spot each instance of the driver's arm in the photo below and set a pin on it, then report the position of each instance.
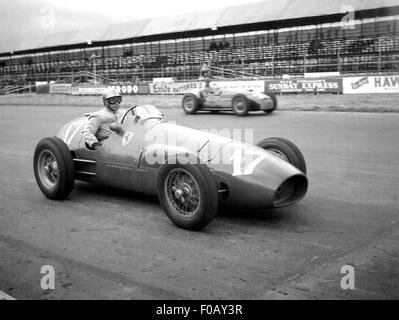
(90, 130)
(119, 116)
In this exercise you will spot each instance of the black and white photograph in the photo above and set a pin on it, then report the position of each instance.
(199, 155)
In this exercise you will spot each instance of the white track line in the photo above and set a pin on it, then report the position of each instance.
(4, 296)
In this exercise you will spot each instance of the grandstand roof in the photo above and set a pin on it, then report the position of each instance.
(265, 11)
(120, 31)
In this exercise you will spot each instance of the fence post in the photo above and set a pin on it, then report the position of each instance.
(304, 63)
(184, 66)
(273, 65)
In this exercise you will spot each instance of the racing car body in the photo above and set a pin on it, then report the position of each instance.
(191, 171)
(217, 99)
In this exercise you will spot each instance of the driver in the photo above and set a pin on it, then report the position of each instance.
(97, 128)
(208, 90)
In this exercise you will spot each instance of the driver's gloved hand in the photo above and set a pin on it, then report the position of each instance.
(95, 145)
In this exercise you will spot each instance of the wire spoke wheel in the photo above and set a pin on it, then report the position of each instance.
(188, 195)
(183, 192)
(188, 103)
(53, 167)
(240, 105)
(278, 153)
(285, 150)
(48, 169)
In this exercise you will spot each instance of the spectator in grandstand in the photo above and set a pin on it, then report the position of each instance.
(213, 46)
(97, 128)
(205, 69)
(315, 46)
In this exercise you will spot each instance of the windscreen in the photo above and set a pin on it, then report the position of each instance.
(148, 112)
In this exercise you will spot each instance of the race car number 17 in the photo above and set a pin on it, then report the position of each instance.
(239, 161)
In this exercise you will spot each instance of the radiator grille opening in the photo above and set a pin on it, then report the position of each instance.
(291, 191)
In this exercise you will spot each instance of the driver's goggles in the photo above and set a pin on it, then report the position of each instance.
(115, 100)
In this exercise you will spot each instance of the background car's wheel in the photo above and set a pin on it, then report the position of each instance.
(285, 150)
(54, 169)
(274, 99)
(188, 195)
(190, 103)
(240, 105)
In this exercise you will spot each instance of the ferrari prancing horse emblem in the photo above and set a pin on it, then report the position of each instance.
(127, 137)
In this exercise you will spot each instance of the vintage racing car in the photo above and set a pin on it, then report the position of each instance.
(212, 98)
(191, 171)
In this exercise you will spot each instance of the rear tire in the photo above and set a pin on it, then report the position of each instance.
(54, 169)
(286, 150)
(190, 103)
(188, 195)
(274, 99)
(240, 105)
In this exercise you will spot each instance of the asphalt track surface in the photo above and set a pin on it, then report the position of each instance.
(112, 244)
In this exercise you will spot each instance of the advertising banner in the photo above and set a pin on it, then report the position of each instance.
(372, 84)
(331, 85)
(254, 85)
(173, 88)
(132, 89)
(168, 79)
(88, 90)
(60, 88)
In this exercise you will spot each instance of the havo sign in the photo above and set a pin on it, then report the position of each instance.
(131, 89)
(333, 85)
(372, 84)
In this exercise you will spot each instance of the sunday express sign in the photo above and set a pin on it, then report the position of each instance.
(374, 84)
(304, 85)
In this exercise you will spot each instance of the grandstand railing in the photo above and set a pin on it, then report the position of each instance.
(17, 89)
(262, 69)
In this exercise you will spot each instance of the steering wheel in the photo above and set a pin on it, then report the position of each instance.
(128, 110)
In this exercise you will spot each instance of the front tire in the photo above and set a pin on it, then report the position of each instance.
(190, 103)
(284, 149)
(240, 105)
(188, 195)
(54, 169)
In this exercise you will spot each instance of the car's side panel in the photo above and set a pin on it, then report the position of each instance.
(220, 99)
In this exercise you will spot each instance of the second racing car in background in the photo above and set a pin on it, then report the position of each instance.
(213, 98)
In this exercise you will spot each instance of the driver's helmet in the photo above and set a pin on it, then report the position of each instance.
(111, 93)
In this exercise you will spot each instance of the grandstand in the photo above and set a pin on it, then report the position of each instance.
(264, 39)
